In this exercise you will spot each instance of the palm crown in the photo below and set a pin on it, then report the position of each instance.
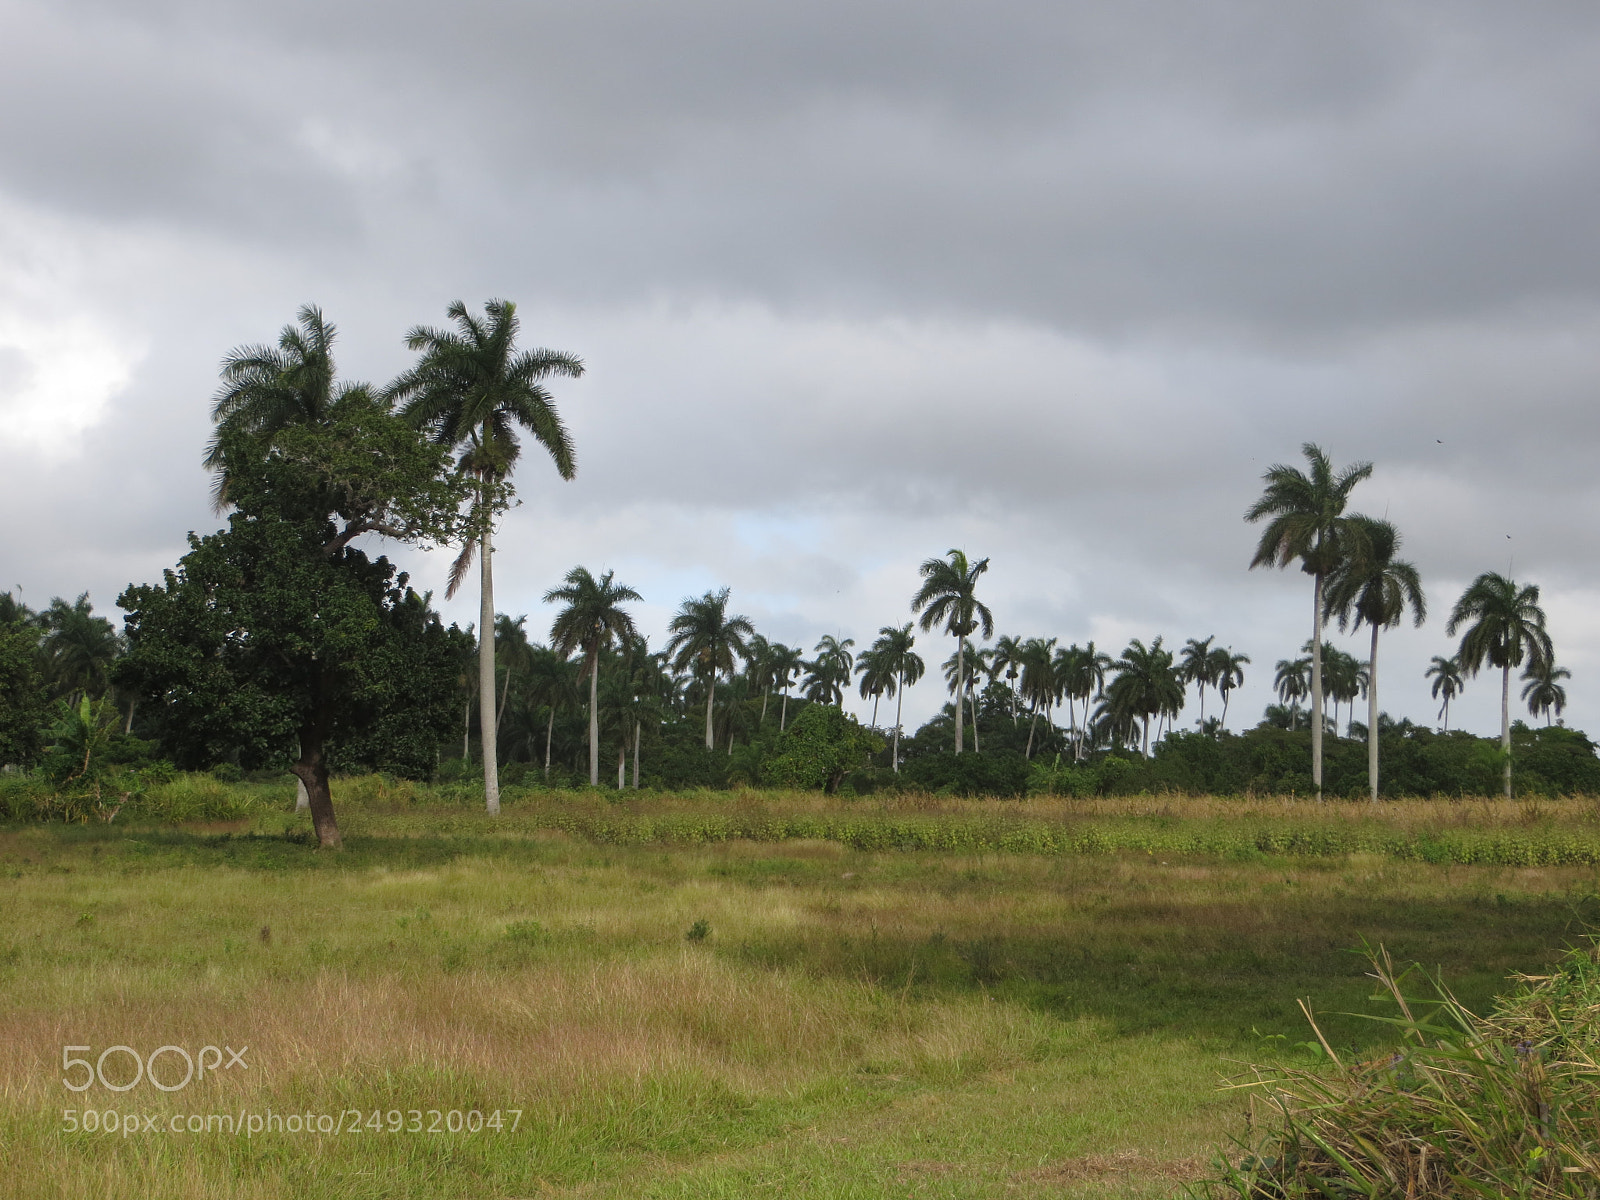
(707, 639)
(592, 620)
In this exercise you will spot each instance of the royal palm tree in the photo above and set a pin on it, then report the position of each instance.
(513, 654)
(1007, 661)
(1227, 672)
(1198, 667)
(786, 663)
(470, 390)
(1081, 673)
(266, 389)
(1374, 587)
(948, 597)
(1041, 686)
(592, 621)
(1543, 691)
(553, 684)
(1504, 626)
(828, 675)
(1447, 683)
(758, 667)
(1145, 684)
(1293, 681)
(1306, 524)
(707, 639)
(892, 654)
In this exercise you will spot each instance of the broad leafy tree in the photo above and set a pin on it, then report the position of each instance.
(592, 621)
(1304, 512)
(1505, 627)
(472, 389)
(707, 639)
(278, 636)
(1373, 587)
(948, 597)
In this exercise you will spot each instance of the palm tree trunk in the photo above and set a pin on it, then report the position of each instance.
(1032, 725)
(711, 695)
(899, 699)
(972, 703)
(302, 798)
(783, 716)
(549, 732)
(466, 731)
(764, 696)
(961, 662)
(1316, 687)
(622, 764)
(1505, 722)
(500, 714)
(1147, 735)
(486, 713)
(594, 717)
(128, 728)
(1372, 718)
(874, 710)
(638, 733)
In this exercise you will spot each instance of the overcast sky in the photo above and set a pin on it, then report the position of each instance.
(854, 283)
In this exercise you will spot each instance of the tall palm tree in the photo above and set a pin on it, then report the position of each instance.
(1446, 676)
(551, 683)
(1505, 625)
(706, 638)
(1146, 684)
(1543, 691)
(470, 390)
(1198, 667)
(1227, 672)
(266, 389)
(1293, 681)
(1371, 585)
(876, 679)
(786, 663)
(1041, 686)
(591, 621)
(892, 654)
(948, 597)
(1007, 661)
(1081, 671)
(514, 655)
(758, 666)
(1306, 523)
(828, 675)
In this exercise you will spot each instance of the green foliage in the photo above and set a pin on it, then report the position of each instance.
(821, 747)
(22, 695)
(1502, 1105)
(992, 773)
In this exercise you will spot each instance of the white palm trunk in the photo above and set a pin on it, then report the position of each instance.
(1316, 688)
(1505, 722)
(486, 704)
(961, 663)
(711, 695)
(594, 718)
(1372, 718)
(899, 693)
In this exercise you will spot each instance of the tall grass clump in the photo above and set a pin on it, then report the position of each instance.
(1506, 1105)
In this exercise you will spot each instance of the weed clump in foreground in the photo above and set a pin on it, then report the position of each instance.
(1503, 1105)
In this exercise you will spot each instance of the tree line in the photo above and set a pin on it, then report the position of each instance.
(279, 638)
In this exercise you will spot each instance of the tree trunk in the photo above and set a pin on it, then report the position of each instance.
(302, 798)
(961, 662)
(622, 764)
(1147, 735)
(466, 731)
(549, 732)
(1372, 718)
(1225, 696)
(711, 695)
(899, 699)
(783, 716)
(638, 733)
(594, 717)
(500, 713)
(1505, 721)
(486, 713)
(312, 770)
(1032, 725)
(132, 702)
(763, 722)
(1316, 687)
(874, 710)
(972, 703)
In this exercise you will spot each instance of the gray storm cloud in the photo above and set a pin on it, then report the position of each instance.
(855, 283)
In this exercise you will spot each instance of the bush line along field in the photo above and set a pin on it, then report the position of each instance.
(709, 1014)
(1543, 832)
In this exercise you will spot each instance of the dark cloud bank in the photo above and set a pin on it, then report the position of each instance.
(855, 283)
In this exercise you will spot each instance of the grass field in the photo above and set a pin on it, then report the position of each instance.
(705, 1015)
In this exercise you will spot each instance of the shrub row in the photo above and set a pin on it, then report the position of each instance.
(1520, 848)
